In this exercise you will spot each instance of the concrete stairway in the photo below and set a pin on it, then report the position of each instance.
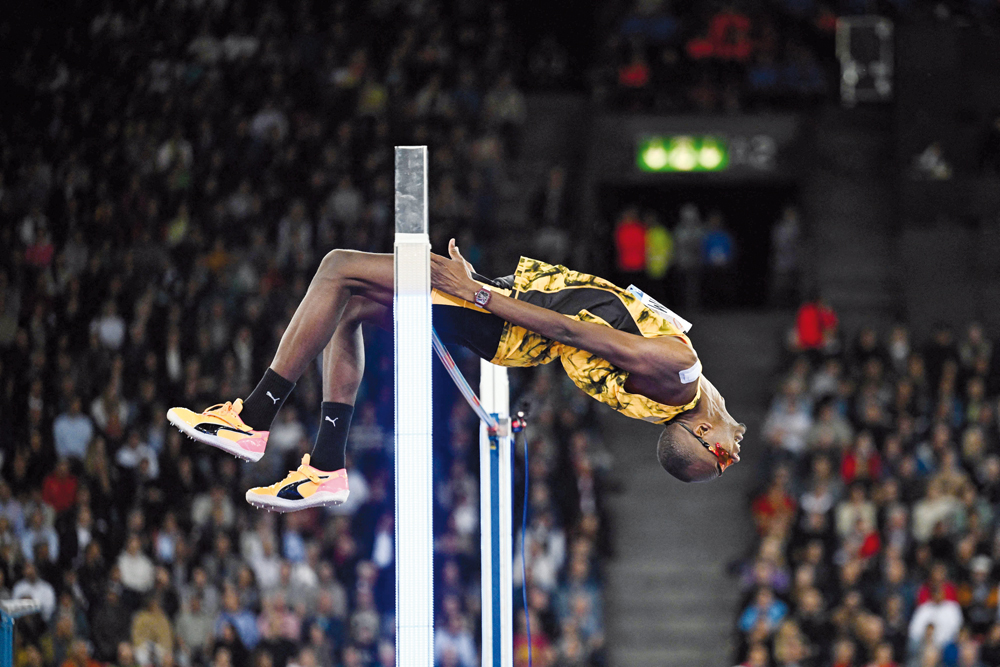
(849, 203)
(550, 136)
(669, 599)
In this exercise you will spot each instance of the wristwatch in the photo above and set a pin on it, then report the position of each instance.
(483, 296)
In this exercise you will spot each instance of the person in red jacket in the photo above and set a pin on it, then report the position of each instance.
(630, 242)
(775, 506)
(815, 325)
(938, 577)
(861, 461)
(727, 37)
(59, 487)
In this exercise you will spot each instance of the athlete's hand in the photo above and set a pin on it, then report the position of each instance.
(457, 256)
(452, 277)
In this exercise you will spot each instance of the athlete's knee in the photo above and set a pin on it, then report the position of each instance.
(335, 265)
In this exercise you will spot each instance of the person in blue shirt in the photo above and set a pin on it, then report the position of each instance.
(239, 619)
(718, 254)
(766, 608)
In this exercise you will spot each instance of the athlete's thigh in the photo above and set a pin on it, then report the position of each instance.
(367, 274)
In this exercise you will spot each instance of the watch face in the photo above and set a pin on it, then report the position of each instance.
(482, 297)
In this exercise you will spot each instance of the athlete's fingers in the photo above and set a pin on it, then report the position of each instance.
(450, 276)
(453, 251)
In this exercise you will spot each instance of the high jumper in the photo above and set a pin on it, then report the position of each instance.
(618, 345)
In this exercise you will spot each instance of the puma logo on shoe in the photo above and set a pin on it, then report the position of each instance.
(271, 396)
(332, 421)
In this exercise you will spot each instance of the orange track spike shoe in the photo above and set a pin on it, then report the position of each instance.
(220, 426)
(302, 488)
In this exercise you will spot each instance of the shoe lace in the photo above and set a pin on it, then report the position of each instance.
(305, 470)
(228, 411)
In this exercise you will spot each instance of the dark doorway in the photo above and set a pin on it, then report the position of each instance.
(748, 209)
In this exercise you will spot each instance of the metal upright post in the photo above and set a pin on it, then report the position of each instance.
(413, 457)
(496, 491)
(11, 610)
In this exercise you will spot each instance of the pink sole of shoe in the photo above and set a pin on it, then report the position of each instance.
(225, 445)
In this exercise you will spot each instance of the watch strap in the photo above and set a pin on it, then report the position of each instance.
(482, 296)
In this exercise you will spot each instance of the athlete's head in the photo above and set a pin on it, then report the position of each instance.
(699, 445)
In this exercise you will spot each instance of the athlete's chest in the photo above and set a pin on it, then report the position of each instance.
(657, 391)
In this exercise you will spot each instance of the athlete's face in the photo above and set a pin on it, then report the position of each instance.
(722, 441)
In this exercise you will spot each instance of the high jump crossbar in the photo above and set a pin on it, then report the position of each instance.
(413, 339)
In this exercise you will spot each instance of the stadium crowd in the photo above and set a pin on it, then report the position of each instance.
(877, 524)
(746, 55)
(170, 176)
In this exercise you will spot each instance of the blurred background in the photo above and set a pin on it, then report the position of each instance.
(815, 184)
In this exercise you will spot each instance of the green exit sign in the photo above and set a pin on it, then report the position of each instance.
(682, 153)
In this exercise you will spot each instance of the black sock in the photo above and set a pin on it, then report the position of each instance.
(264, 402)
(330, 450)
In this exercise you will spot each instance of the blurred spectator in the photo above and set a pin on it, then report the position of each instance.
(135, 568)
(931, 163)
(549, 207)
(938, 617)
(718, 257)
(109, 327)
(633, 81)
(728, 37)
(659, 250)
(37, 589)
(550, 204)
(72, 431)
(193, 629)
(59, 492)
(786, 258)
(152, 636)
(630, 245)
(455, 641)
(757, 656)
(774, 509)
(688, 237)
(789, 420)
(504, 107)
(815, 326)
(79, 655)
(138, 457)
(37, 533)
(233, 618)
(111, 626)
(766, 611)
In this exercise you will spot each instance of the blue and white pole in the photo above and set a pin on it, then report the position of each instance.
(11, 610)
(496, 526)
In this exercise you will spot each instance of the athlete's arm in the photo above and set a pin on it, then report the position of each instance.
(659, 360)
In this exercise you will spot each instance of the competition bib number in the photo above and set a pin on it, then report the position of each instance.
(660, 309)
